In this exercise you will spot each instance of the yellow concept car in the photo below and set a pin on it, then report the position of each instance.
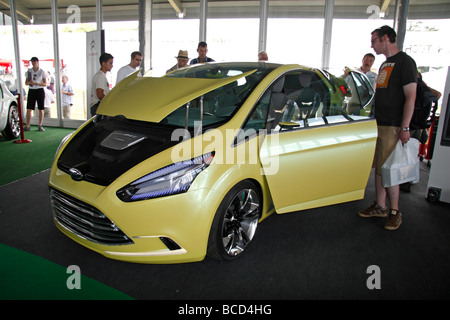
(176, 168)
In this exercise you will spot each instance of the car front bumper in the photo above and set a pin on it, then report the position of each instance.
(170, 229)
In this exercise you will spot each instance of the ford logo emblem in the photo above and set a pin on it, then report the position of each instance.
(76, 174)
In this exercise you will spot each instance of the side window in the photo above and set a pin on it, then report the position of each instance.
(365, 90)
(308, 98)
(360, 103)
(302, 99)
(256, 121)
(258, 117)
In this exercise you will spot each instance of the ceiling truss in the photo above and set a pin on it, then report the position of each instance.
(39, 11)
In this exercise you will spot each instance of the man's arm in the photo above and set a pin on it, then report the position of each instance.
(100, 93)
(101, 86)
(408, 110)
(69, 91)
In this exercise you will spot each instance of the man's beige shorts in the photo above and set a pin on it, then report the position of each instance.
(386, 142)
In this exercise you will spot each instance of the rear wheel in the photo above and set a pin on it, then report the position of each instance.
(12, 128)
(235, 222)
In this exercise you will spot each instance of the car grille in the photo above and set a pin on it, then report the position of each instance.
(85, 221)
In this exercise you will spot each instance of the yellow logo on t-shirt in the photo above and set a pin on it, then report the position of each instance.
(385, 74)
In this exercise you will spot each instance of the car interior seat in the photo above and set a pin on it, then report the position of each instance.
(308, 100)
(278, 101)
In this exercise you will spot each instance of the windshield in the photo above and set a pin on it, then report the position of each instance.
(218, 105)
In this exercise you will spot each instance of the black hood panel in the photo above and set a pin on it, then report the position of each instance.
(109, 146)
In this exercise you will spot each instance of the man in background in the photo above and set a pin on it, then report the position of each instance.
(36, 81)
(366, 68)
(135, 63)
(67, 97)
(182, 60)
(262, 56)
(100, 85)
(202, 50)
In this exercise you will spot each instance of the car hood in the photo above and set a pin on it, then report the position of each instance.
(129, 132)
(152, 99)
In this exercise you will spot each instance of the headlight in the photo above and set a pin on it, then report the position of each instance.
(173, 179)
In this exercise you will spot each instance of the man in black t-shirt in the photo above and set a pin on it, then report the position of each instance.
(394, 106)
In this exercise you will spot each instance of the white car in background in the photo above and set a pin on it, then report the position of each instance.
(9, 113)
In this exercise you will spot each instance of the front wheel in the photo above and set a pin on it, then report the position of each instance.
(12, 128)
(235, 222)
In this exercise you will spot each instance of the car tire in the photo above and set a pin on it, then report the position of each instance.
(12, 128)
(235, 222)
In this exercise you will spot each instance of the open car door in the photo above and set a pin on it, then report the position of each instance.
(316, 156)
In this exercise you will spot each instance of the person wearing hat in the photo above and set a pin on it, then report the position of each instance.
(36, 81)
(182, 60)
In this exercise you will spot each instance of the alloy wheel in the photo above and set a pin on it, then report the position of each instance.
(240, 222)
(14, 121)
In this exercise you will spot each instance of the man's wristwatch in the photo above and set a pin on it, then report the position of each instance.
(405, 129)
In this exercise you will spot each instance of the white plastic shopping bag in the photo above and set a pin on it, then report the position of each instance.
(402, 165)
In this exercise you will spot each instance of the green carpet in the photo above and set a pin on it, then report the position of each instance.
(24, 276)
(21, 160)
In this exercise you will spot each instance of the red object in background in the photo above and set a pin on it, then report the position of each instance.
(426, 149)
(432, 137)
(8, 64)
(22, 140)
